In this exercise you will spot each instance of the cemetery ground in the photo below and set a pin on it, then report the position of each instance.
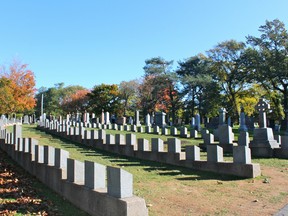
(172, 190)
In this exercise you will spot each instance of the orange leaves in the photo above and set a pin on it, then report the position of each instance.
(76, 101)
(18, 87)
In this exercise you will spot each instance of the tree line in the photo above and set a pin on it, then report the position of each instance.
(233, 75)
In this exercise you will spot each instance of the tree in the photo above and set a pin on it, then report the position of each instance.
(76, 101)
(52, 98)
(195, 77)
(56, 99)
(18, 83)
(229, 72)
(6, 95)
(159, 79)
(105, 97)
(267, 59)
(128, 91)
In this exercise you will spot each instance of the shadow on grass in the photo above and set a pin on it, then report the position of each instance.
(181, 173)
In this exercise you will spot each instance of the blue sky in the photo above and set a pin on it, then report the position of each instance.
(90, 42)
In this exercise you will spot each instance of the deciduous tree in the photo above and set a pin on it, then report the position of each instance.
(229, 72)
(105, 97)
(267, 59)
(19, 84)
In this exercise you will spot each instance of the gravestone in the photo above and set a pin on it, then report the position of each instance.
(225, 134)
(160, 119)
(213, 123)
(147, 120)
(86, 117)
(121, 121)
(26, 119)
(130, 121)
(193, 122)
(249, 122)
(222, 116)
(242, 126)
(102, 117)
(107, 118)
(197, 122)
(263, 141)
(137, 118)
(152, 119)
(243, 139)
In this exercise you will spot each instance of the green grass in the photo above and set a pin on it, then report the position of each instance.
(146, 173)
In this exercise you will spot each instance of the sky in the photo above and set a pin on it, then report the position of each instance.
(90, 42)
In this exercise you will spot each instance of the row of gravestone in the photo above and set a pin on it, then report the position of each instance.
(223, 135)
(140, 148)
(92, 187)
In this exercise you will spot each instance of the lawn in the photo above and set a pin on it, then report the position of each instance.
(172, 190)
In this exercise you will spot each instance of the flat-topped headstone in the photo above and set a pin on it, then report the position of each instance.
(61, 158)
(157, 145)
(241, 154)
(174, 145)
(119, 182)
(160, 119)
(75, 171)
(110, 139)
(49, 155)
(119, 139)
(226, 136)
(183, 132)
(95, 175)
(192, 153)
(131, 139)
(143, 144)
(214, 153)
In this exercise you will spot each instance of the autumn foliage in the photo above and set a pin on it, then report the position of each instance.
(17, 89)
(76, 101)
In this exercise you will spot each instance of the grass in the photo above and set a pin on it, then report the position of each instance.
(17, 196)
(151, 178)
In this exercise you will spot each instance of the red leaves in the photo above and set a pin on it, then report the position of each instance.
(18, 195)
